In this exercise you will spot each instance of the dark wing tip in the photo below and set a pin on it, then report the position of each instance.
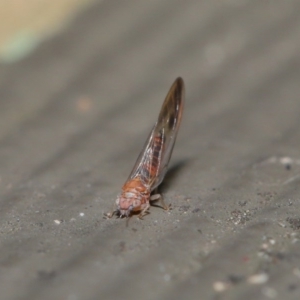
(179, 80)
(179, 83)
(178, 87)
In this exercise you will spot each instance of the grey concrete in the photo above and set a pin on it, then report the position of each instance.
(75, 114)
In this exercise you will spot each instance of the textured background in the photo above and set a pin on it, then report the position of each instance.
(74, 115)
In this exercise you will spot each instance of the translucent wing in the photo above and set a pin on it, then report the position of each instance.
(151, 165)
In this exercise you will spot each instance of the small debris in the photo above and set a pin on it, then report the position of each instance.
(242, 203)
(287, 161)
(281, 224)
(220, 286)
(288, 167)
(258, 278)
(267, 196)
(184, 208)
(264, 254)
(272, 241)
(81, 214)
(236, 279)
(240, 217)
(294, 223)
(57, 222)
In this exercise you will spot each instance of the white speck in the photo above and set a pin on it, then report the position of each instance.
(286, 160)
(258, 278)
(281, 224)
(81, 214)
(57, 222)
(220, 286)
(272, 242)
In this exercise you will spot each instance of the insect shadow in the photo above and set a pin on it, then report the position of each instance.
(172, 174)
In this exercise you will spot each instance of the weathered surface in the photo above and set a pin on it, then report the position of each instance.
(75, 114)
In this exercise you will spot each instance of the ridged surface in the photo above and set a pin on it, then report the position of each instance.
(91, 95)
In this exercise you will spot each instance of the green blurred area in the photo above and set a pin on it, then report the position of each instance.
(24, 24)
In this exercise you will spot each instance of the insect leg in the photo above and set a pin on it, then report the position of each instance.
(144, 211)
(159, 197)
(109, 215)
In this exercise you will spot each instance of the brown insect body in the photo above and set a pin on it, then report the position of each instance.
(151, 165)
(134, 197)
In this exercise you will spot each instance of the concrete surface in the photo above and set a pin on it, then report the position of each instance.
(74, 116)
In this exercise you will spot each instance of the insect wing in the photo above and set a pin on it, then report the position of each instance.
(152, 163)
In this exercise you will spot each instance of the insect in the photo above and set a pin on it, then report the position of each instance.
(152, 163)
